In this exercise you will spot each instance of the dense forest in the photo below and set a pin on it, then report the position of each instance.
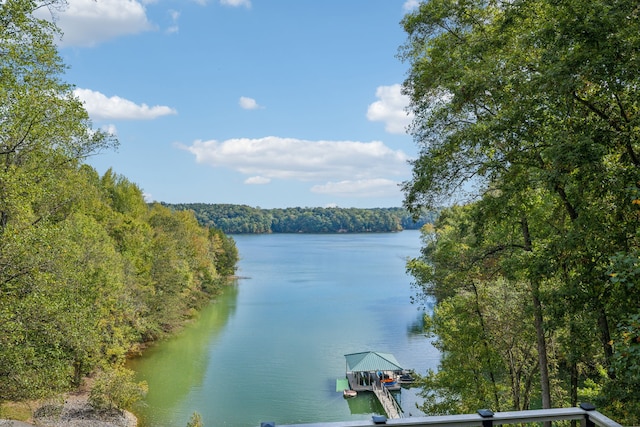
(88, 270)
(537, 281)
(239, 219)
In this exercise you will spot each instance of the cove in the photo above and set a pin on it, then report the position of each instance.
(271, 347)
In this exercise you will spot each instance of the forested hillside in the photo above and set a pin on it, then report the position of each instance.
(239, 219)
(88, 270)
(537, 282)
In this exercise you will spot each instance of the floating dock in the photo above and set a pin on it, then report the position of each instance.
(378, 373)
(342, 384)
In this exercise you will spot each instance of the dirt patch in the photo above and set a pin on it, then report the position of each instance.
(77, 412)
(74, 410)
(12, 423)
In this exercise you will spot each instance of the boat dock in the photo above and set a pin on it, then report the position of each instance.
(378, 373)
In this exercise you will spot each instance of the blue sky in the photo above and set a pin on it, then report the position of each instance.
(269, 103)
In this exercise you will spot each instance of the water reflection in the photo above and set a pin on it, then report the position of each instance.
(175, 366)
(364, 403)
(417, 326)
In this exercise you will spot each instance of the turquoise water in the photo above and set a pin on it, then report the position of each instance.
(272, 346)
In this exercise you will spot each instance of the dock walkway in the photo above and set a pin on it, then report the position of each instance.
(387, 401)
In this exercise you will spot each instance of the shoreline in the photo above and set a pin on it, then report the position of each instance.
(73, 411)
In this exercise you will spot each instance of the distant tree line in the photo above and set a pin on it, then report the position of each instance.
(240, 219)
(88, 270)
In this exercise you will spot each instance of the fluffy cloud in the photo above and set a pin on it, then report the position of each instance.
(248, 103)
(390, 109)
(90, 22)
(289, 158)
(343, 168)
(377, 187)
(101, 107)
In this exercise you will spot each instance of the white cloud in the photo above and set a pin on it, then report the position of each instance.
(248, 103)
(410, 5)
(90, 22)
(294, 159)
(340, 168)
(391, 109)
(377, 187)
(257, 180)
(236, 3)
(101, 107)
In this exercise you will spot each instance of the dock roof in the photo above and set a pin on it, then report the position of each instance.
(372, 361)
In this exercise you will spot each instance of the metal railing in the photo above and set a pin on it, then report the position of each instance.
(586, 414)
(388, 402)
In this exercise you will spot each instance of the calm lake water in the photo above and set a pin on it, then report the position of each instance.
(272, 346)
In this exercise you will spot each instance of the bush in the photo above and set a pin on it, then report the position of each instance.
(115, 388)
(195, 421)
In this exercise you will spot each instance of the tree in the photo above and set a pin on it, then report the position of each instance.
(87, 269)
(44, 132)
(226, 255)
(44, 128)
(483, 322)
(536, 97)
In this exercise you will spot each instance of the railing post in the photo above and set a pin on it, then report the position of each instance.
(587, 407)
(487, 417)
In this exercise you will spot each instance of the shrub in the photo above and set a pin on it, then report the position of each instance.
(195, 421)
(115, 388)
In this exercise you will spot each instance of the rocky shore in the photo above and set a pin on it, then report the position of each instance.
(75, 411)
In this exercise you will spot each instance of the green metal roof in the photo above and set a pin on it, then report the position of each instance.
(372, 361)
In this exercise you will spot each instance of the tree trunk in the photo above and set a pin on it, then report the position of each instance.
(4, 219)
(487, 347)
(543, 360)
(605, 338)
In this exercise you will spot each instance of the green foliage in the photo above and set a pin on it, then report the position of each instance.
(116, 388)
(620, 394)
(87, 269)
(227, 256)
(240, 219)
(483, 323)
(535, 104)
(81, 290)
